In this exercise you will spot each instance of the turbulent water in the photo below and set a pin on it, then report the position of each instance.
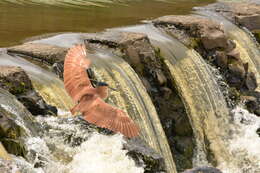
(206, 107)
(99, 153)
(198, 89)
(131, 95)
(243, 143)
(249, 52)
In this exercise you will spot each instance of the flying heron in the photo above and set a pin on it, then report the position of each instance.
(89, 99)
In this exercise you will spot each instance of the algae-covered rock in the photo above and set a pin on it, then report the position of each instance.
(3, 153)
(14, 79)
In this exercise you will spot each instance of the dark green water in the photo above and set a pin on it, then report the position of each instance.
(18, 22)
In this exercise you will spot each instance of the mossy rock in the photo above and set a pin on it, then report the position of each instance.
(13, 146)
(14, 79)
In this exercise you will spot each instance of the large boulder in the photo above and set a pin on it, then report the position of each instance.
(14, 79)
(209, 32)
(246, 14)
(17, 82)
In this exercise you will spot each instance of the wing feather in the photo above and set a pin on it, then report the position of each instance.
(93, 108)
(110, 117)
(75, 77)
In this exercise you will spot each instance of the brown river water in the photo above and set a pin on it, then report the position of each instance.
(18, 22)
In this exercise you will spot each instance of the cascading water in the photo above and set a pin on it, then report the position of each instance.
(249, 52)
(193, 79)
(61, 144)
(222, 137)
(48, 85)
(131, 95)
(133, 98)
(205, 104)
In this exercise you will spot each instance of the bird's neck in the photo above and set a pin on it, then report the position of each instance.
(102, 91)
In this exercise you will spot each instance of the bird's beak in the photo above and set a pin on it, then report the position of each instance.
(112, 88)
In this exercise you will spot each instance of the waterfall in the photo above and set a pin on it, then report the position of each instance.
(249, 52)
(131, 96)
(220, 134)
(217, 131)
(199, 91)
(60, 145)
(48, 85)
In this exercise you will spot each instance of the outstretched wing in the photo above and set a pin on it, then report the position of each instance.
(104, 115)
(76, 80)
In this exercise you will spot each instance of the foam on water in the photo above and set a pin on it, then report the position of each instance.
(103, 154)
(244, 143)
(98, 153)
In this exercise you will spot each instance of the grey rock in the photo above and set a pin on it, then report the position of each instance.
(145, 156)
(221, 59)
(14, 79)
(203, 170)
(42, 52)
(250, 81)
(211, 33)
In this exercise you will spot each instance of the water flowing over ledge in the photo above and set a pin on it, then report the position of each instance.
(222, 132)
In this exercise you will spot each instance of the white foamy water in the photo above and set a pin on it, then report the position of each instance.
(97, 154)
(244, 144)
(102, 154)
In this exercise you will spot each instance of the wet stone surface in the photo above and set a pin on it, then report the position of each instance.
(246, 14)
(17, 82)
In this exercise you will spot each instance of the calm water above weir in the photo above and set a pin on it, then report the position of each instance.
(20, 21)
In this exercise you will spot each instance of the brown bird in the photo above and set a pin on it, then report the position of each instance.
(89, 99)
